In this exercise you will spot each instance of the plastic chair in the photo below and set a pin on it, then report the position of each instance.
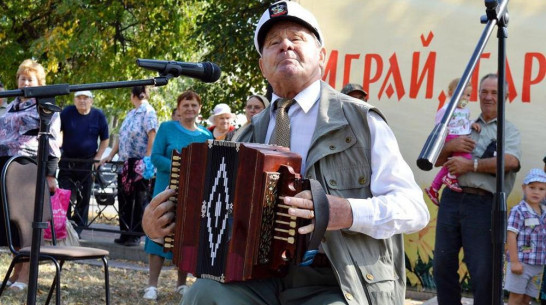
(18, 182)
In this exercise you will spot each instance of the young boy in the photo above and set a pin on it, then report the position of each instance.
(526, 240)
(458, 125)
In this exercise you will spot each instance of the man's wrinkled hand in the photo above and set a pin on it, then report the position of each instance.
(158, 217)
(341, 214)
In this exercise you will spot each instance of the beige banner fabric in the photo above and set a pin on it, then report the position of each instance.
(405, 53)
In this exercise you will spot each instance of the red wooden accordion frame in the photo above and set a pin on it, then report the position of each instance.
(230, 223)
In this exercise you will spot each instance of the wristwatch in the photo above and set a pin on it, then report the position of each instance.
(475, 165)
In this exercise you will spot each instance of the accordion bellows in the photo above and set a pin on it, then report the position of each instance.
(229, 223)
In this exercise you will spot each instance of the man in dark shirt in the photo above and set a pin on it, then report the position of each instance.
(81, 125)
(356, 91)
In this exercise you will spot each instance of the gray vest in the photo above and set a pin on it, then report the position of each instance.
(369, 271)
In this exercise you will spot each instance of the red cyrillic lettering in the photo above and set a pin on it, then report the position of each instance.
(428, 69)
(394, 73)
(527, 74)
(331, 69)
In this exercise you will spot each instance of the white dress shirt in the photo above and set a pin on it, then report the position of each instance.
(397, 204)
(303, 119)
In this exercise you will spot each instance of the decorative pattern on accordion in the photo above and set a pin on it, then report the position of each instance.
(276, 223)
(268, 216)
(216, 211)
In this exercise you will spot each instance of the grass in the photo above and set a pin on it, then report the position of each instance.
(83, 283)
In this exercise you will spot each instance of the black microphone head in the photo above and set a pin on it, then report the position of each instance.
(151, 64)
(211, 72)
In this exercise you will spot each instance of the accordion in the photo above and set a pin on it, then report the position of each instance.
(230, 223)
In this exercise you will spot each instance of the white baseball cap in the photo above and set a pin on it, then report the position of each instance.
(86, 93)
(285, 10)
(535, 175)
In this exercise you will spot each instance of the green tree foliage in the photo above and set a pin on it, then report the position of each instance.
(92, 41)
(225, 31)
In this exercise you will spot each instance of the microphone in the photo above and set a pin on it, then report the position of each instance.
(205, 71)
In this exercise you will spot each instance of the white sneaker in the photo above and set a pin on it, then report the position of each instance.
(18, 286)
(150, 293)
(182, 289)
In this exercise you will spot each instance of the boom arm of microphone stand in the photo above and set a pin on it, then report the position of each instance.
(433, 145)
(65, 89)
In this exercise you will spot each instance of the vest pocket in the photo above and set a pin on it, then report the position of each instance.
(380, 282)
(347, 178)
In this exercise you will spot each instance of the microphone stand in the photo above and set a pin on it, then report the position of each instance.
(496, 14)
(45, 103)
(498, 214)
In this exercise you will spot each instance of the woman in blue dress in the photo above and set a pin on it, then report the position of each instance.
(172, 135)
